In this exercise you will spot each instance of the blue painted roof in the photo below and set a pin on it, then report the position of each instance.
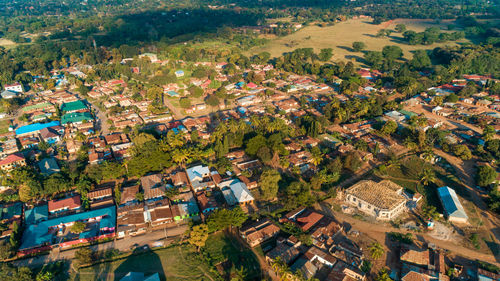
(36, 235)
(35, 127)
(451, 204)
(37, 214)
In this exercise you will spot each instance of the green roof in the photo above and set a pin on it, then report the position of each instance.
(408, 113)
(37, 106)
(73, 106)
(76, 117)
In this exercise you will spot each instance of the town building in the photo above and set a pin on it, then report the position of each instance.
(451, 204)
(383, 200)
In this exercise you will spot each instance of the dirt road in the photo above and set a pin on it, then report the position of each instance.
(379, 232)
(465, 170)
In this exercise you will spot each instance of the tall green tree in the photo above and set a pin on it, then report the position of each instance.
(269, 184)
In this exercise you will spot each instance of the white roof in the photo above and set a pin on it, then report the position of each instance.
(197, 172)
(241, 192)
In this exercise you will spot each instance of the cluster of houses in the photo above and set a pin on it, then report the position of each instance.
(331, 256)
(121, 208)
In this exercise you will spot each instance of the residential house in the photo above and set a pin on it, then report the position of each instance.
(130, 220)
(199, 177)
(50, 135)
(324, 232)
(48, 166)
(284, 250)
(16, 87)
(101, 197)
(206, 202)
(259, 232)
(9, 94)
(159, 212)
(128, 194)
(236, 192)
(12, 161)
(154, 186)
(62, 205)
(342, 271)
(304, 218)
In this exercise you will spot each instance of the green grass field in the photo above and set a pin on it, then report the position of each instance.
(175, 263)
(233, 258)
(4, 126)
(341, 36)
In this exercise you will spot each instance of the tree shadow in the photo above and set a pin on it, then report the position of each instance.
(243, 262)
(494, 247)
(397, 39)
(142, 260)
(349, 49)
(173, 26)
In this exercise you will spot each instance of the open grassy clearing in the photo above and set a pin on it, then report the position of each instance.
(341, 36)
(4, 126)
(7, 44)
(175, 263)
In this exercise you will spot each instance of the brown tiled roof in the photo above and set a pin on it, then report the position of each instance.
(308, 219)
(160, 214)
(327, 227)
(153, 186)
(11, 159)
(415, 276)
(69, 203)
(179, 178)
(100, 193)
(128, 193)
(133, 217)
(417, 257)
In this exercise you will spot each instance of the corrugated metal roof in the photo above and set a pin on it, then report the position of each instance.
(35, 127)
(451, 204)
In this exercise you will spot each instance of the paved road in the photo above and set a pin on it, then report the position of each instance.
(101, 120)
(124, 244)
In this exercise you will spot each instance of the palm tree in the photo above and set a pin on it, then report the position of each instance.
(180, 156)
(428, 155)
(427, 176)
(376, 250)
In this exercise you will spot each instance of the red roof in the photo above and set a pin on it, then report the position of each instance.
(67, 203)
(12, 159)
(251, 85)
(309, 220)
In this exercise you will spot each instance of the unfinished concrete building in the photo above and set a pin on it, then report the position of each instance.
(383, 200)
